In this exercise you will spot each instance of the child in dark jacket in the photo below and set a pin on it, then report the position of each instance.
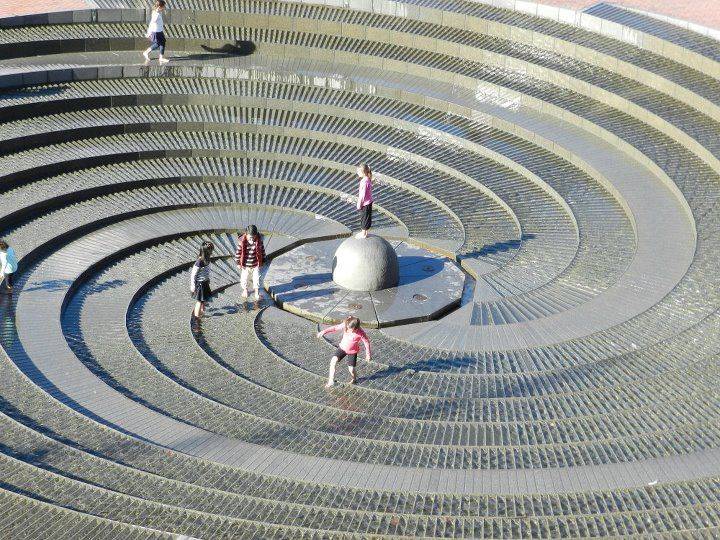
(250, 256)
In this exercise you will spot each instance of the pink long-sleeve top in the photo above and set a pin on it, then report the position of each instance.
(364, 192)
(350, 342)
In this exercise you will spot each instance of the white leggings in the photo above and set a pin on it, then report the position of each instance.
(245, 277)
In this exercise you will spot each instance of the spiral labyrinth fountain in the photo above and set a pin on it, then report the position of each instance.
(563, 166)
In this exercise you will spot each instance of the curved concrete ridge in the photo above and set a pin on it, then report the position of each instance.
(75, 385)
(438, 105)
(242, 153)
(478, 24)
(542, 73)
(22, 519)
(376, 119)
(89, 192)
(342, 112)
(268, 70)
(496, 123)
(587, 170)
(668, 245)
(97, 71)
(108, 314)
(136, 502)
(664, 240)
(611, 29)
(309, 134)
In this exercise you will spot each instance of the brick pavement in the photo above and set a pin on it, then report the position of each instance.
(25, 7)
(704, 12)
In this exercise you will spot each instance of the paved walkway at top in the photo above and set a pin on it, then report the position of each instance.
(8, 8)
(704, 12)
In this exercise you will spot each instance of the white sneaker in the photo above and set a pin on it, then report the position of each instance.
(163, 60)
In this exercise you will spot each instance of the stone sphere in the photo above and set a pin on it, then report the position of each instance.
(366, 264)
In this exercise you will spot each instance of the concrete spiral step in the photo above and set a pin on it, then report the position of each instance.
(568, 164)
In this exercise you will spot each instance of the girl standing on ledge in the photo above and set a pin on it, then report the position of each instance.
(155, 33)
(349, 347)
(365, 200)
(200, 278)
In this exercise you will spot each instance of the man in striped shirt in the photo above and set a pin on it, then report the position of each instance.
(249, 256)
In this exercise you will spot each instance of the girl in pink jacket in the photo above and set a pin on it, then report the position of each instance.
(365, 200)
(349, 347)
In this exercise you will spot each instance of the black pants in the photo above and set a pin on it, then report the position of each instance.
(157, 41)
(351, 358)
(366, 217)
(9, 280)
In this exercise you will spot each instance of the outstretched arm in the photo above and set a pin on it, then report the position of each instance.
(329, 330)
(366, 344)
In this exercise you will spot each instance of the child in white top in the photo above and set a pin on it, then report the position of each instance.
(155, 33)
(8, 264)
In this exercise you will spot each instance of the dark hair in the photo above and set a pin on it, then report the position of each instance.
(252, 230)
(206, 250)
(159, 4)
(352, 323)
(4, 245)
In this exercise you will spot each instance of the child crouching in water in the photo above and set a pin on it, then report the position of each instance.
(349, 347)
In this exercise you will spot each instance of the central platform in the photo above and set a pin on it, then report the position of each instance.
(301, 282)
